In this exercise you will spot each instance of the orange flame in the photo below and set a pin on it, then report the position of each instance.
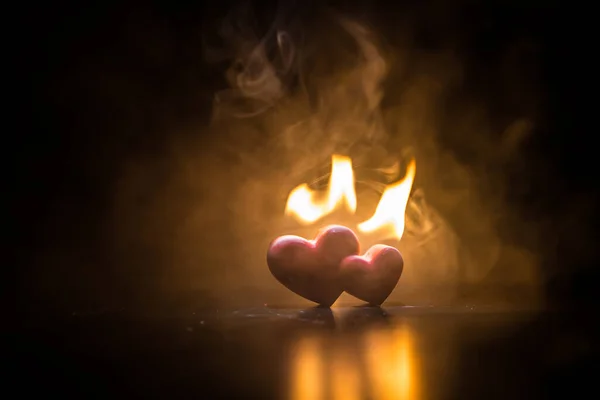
(303, 203)
(392, 206)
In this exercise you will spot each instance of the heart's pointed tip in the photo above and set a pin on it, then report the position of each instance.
(322, 300)
(327, 303)
(321, 305)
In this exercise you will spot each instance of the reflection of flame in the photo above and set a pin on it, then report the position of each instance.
(392, 206)
(389, 369)
(391, 364)
(345, 382)
(307, 382)
(303, 202)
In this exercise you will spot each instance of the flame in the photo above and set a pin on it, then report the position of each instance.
(392, 206)
(302, 201)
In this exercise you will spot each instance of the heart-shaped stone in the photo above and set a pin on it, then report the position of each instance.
(311, 268)
(373, 276)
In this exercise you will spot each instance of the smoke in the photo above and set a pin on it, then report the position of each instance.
(310, 84)
(260, 67)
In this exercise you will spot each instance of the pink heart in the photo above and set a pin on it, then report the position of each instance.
(373, 276)
(311, 268)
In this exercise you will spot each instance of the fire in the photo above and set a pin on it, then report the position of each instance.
(392, 206)
(304, 204)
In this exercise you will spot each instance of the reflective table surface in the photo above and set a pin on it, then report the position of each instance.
(396, 352)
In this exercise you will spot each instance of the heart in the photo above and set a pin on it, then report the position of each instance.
(311, 268)
(373, 276)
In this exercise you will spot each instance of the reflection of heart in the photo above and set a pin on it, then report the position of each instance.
(310, 268)
(372, 277)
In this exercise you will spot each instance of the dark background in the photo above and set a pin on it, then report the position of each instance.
(104, 84)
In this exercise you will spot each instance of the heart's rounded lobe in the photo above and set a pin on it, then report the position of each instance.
(311, 268)
(373, 276)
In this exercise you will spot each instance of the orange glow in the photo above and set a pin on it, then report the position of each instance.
(345, 380)
(391, 363)
(304, 205)
(382, 365)
(307, 369)
(389, 214)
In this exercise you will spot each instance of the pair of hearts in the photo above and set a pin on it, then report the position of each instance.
(321, 269)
